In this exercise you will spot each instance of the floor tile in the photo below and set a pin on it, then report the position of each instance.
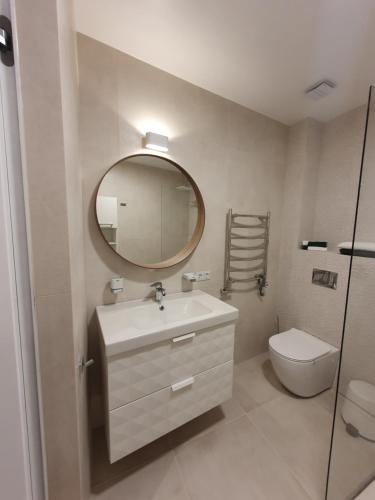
(299, 430)
(263, 444)
(103, 472)
(327, 400)
(213, 419)
(156, 480)
(235, 462)
(255, 382)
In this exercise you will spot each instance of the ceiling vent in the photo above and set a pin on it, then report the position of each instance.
(320, 89)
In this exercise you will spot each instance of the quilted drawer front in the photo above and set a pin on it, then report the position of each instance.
(144, 371)
(140, 422)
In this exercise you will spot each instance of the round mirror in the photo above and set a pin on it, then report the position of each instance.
(150, 211)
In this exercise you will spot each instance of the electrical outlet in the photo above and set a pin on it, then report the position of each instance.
(202, 275)
(198, 276)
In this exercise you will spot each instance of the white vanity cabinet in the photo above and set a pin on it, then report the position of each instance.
(154, 388)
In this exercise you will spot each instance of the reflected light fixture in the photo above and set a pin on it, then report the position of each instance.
(156, 142)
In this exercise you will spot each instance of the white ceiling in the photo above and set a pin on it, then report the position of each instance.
(262, 54)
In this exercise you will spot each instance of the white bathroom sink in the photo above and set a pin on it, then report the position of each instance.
(129, 325)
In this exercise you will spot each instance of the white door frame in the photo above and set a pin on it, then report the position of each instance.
(21, 457)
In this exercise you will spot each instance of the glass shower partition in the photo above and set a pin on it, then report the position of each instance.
(351, 471)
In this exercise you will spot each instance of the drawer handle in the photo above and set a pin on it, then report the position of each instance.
(183, 337)
(184, 383)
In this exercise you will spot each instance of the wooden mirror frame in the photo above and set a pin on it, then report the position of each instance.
(191, 245)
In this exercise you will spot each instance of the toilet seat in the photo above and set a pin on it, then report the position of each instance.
(299, 346)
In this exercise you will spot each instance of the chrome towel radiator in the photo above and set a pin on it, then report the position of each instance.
(246, 242)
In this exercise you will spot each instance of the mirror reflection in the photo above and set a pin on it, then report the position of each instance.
(147, 209)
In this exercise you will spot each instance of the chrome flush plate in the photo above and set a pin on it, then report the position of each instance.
(324, 278)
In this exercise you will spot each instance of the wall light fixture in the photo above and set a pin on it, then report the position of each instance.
(157, 142)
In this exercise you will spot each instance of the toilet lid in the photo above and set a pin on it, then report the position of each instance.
(299, 346)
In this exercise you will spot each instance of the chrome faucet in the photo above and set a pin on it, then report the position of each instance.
(159, 293)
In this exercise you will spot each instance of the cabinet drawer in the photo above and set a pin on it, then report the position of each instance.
(140, 422)
(143, 371)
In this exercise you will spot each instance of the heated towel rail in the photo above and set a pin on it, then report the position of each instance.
(247, 239)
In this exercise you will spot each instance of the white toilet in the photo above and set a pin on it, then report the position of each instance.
(304, 364)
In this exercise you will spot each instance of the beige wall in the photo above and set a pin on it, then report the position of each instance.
(323, 165)
(340, 161)
(69, 101)
(302, 305)
(48, 115)
(236, 156)
(299, 201)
